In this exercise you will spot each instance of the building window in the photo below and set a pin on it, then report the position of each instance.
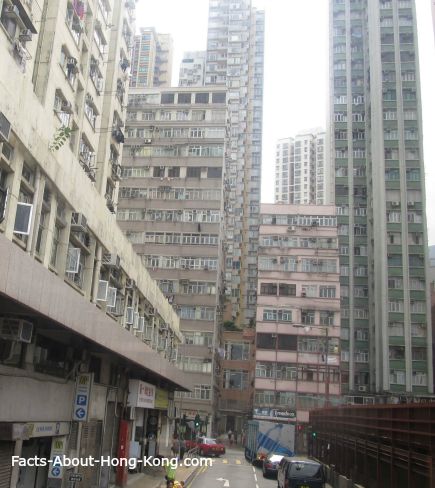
(237, 351)
(235, 380)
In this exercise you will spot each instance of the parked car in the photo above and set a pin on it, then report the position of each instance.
(300, 473)
(271, 463)
(207, 446)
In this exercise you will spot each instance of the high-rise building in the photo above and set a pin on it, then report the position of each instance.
(75, 300)
(301, 171)
(298, 314)
(152, 59)
(235, 59)
(377, 156)
(171, 209)
(192, 69)
(163, 65)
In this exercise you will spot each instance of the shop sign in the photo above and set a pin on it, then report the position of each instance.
(58, 449)
(74, 477)
(274, 413)
(141, 394)
(82, 396)
(46, 429)
(162, 399)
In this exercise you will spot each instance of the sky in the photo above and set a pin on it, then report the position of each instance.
(296, 70)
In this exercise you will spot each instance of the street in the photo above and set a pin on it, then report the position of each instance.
(231, 471)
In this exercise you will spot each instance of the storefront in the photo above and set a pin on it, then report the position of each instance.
(31, 440)
(144, 429)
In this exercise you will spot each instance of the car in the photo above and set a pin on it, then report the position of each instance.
(208, 447)
(271, 463)
(300, 473)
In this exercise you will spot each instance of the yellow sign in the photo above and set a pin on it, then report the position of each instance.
(162, 400)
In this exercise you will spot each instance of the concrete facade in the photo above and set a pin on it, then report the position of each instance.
(235, 60)
(377, 157)
(302, 175)
(298, 312)
(74, 297)
(192, 69)
(236, 380)
(151, 59)
(172, 208)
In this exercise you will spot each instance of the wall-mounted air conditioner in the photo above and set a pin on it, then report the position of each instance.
(13, 329)
(78, 222)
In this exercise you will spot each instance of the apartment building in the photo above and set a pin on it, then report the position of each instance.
(235, 60)
(377, 156)
(298, 314)
(151, 59)
(75, 301)
(163, 66)
(301, 173)
(192, 69)
(171, 209)
(236, 392)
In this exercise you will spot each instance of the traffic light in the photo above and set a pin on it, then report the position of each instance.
(314, 434)
(197, 422)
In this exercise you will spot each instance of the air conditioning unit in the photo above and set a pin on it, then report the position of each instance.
(130, 284)
(111, 259)
(5, 128)
(141, 324)
(66, 107)
(25, 35)
(78, 222)
(147, 141)
(12, 11)
(130, 316)
(291, 228)
(395, 204)
(362, 388)
(164, 327)
(411, 204)
(89, 98)
(16, 329)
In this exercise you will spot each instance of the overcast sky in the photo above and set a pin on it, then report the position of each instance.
(296, 76)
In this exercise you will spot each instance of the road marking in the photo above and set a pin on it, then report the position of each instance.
(238, 461)
(255, 476)
(253, 469)
(225, 461)
(226, 482)
(256, 486)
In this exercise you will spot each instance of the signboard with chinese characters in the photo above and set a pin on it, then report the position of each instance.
(162, 400)
(82, 396)
(45, 429)
(273, 413)
(141, 394)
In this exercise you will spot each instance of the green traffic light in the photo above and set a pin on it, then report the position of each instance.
(314, 434)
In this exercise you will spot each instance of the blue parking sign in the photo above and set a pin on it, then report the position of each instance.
(81, 400)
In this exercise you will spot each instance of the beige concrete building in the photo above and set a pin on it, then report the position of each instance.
(76, 303)
(298, 313)
(235, 60)
(192, 69)
(171, 209)
(151, 59)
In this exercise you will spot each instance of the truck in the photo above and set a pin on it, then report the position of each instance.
(264, 437)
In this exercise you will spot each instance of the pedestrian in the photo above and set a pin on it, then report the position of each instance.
(170, 475)
(235, 437)
(230, 435)
(182, 445)
(175, 446)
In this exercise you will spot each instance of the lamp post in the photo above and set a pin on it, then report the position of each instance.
(307, 328)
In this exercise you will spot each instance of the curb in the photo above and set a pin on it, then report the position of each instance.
(191, 476)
